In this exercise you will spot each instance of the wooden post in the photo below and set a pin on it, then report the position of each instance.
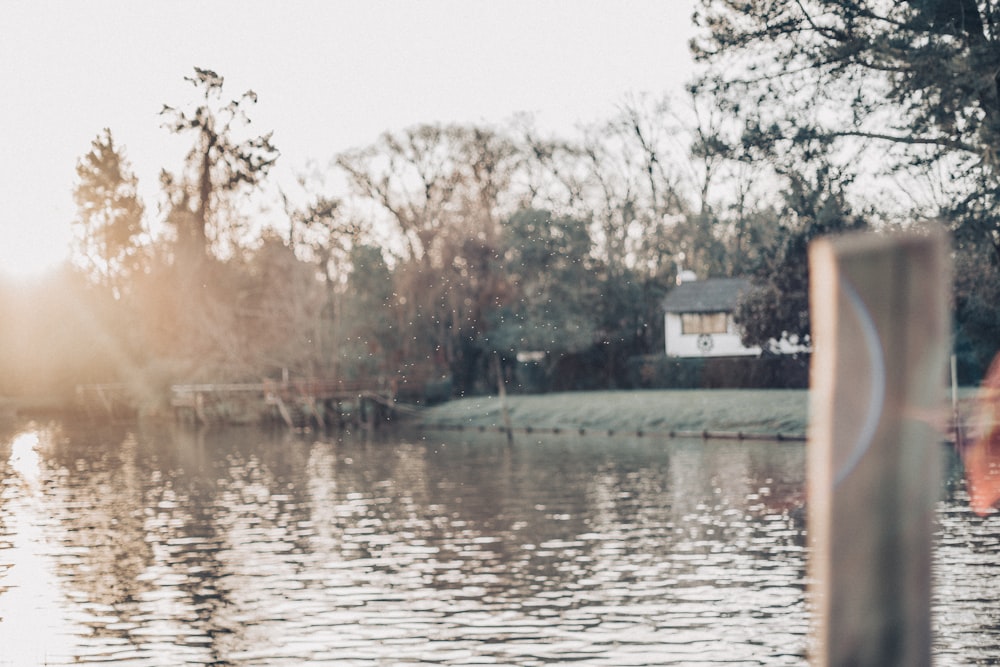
(956, 418)
(201, 416)
(316, 408)
(502, 390)
(881, 330)
(284, 411)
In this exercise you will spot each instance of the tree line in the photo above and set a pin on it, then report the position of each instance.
(439, 253)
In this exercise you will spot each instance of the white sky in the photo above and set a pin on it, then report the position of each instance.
(329, 75)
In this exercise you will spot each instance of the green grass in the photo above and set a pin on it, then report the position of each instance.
(782, 411)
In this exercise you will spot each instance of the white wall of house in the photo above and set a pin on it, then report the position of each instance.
(722, 341)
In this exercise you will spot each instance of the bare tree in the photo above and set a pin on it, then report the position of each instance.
(218, 166)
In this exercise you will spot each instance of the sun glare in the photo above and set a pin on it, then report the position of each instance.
(27, 269)
(25, 258)
(24, 459)
(34, 628)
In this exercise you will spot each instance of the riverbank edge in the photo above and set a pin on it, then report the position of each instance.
(774, 414)
(778, 414)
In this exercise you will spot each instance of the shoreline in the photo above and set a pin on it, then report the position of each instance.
(773, 414)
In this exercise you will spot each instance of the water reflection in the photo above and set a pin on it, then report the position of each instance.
(36, 624)
(967, 579)
(166, 546)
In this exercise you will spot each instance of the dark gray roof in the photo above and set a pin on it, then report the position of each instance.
(713, 295)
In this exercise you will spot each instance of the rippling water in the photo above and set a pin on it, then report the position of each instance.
(167, 546)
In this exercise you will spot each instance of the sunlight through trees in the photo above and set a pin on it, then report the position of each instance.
(446, 252)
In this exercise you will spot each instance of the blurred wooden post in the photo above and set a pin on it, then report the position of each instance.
(502, 390)
(881, 330)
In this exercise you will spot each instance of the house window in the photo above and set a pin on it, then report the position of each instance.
(704, 323)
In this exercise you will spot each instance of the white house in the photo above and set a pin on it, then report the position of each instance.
(699, 318)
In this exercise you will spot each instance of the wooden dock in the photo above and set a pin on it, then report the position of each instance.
(297, 403)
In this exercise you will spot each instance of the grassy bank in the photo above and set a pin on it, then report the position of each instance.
(783, 411)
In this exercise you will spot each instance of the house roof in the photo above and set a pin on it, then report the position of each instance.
(712, 295)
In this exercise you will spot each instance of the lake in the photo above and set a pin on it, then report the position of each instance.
(170, 545)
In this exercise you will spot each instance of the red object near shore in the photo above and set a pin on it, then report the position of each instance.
(982, 457)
